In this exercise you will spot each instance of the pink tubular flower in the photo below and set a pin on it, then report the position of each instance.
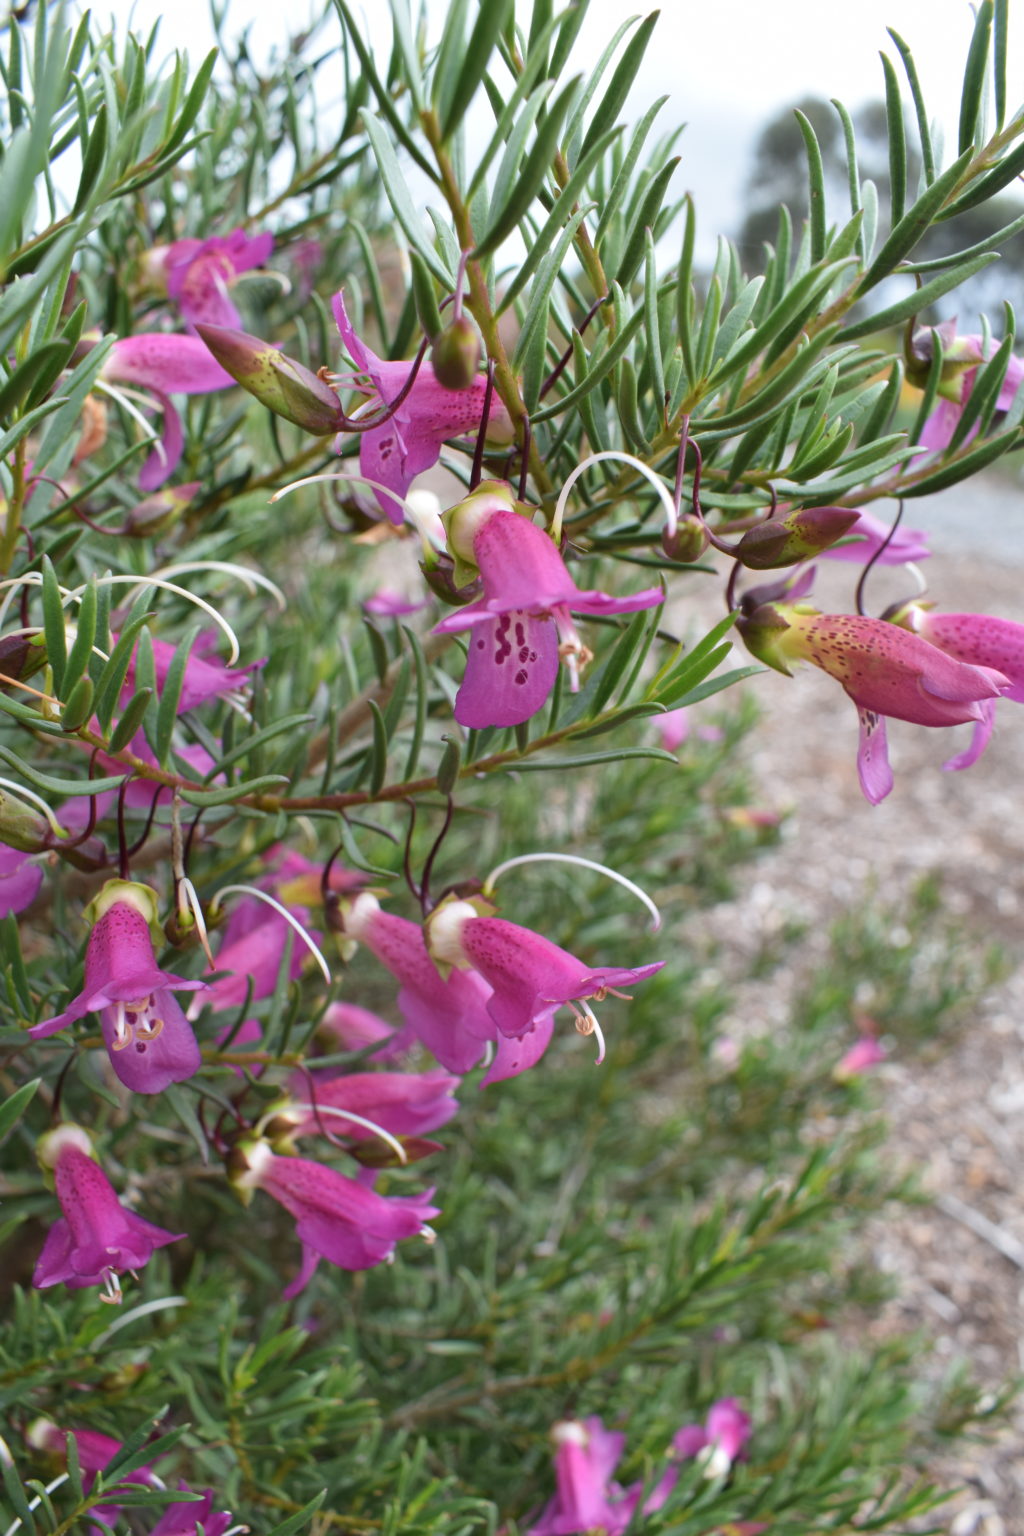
(205, 676)
(980, 640)
(410, 441)
(885, 670)
(450, 1015)
(720, 1440)
(961, 359)
(96, 1239)
(95, 1453)
(404, 1103)
(200, 272)
(164, 365)
(337, 1218)
(185, 1519)
(867, 1053)
(531, 977)
(521, 624)
(587, 1500)
(868, 535)
(148, 1038)
(353, 1028)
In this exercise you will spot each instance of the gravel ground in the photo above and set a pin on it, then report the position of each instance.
(957, 1117)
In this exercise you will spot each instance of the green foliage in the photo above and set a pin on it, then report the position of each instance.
(639, 1240)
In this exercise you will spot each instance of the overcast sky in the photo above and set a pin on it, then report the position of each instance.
(727, 65)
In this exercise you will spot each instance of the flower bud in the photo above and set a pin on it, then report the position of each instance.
(689, 541)
(158, 513)
(283, 385)
(22, 826)
(455, 354)
(798, 536)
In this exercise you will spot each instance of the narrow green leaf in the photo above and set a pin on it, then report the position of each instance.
(93, 160)
(979, 407)
(425, 296)
(378, 752)
(354, 31)
(10, 942)
(913, 224)
(400, 198)
(897, 143)
(564, 210)
(192, 107)
(54, 627)
(962, 469)
(299, 1519)
(993, 242)
(80, 654)
(613, 202)
(598, 369)
(170, 696)
(111, 679)
(491, 19)
(971, 128)
(78, 705)
(13, 1108)
(652, 327)
(885, 407)
(684, 290)
(815, 187)
(402, 24)
(982, 188)
(614, 98)
(592, 759)
(132, 717)
(919, 300)
(654, 198)
(1000, 31)
(43, 365)
(233, 792)
(536, 317)
(450, 53)
(448, 768)
(920, 111)
(531, 175)
(54, 786)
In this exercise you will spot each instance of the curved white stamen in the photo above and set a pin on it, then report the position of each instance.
(671, 517)
(35, 1503)
(918, 575)
(143, 1310)
(196, 908)
(428, 1234)
(250, 579)
(141, 582)
(122, 399)
(342, 1114)
(37, 800)
(36, 629)
(29, 579)
(122, 1034)
(586, 1024)
(251, 890)
(573, 858)
(489, 1054)
(411, 516)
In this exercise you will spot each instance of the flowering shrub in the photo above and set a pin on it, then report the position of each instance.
(292, 685)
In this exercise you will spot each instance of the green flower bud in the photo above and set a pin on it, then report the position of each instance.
(456, 354)
(283, 385)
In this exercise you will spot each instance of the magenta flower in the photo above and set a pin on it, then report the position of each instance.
(521, 625)
(404, 1103)
(337, 1218)
(867, 1053)
(95, 1453)
(587, 1500)
(885, 670)
(386, 603)
(185, 1519)
(251, 949)
(531, 977)
(961, 358)
(450, 1016)
(867, 537)
(97, 1238)
(148, 1039)
(199, 273)
(164, 365)
(410, 441)
(982, 641)
(204, 678)
(720, 1440)
(353, 1028)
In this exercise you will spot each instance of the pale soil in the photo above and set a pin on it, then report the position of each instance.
(957, 1114)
